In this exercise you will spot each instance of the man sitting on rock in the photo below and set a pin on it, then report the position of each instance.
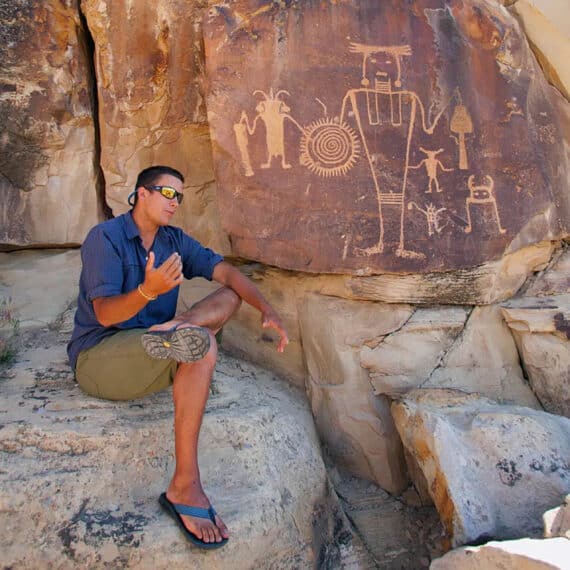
(128, 343)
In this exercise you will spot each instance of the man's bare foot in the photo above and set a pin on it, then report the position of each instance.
(204, 529)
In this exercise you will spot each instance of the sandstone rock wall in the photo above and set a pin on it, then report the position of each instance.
(399, 172)
(406, 140)
(48, 155)
(149, 63)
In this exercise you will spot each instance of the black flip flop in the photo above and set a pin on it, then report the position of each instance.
(175, 510)
(186, 344)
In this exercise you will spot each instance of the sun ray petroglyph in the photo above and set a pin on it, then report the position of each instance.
(329, 148)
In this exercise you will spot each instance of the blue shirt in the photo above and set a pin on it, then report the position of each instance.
(114, 261)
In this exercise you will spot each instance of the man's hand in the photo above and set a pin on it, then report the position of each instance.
(164, 278)
(269, 319)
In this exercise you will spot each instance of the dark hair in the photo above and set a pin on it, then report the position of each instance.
(149, 175)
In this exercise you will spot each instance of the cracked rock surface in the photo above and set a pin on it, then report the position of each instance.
(80, 477)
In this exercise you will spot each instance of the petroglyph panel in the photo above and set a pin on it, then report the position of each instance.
(374, 136)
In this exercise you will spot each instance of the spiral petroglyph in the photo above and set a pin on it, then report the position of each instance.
(329, 148)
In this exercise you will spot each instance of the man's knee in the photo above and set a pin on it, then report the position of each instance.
(205, 365)
(235, 300)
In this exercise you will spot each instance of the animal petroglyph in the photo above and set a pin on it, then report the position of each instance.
(431, 164)
(481, 195)
(329, 148)
(432, 215)
(273, 112)
(513, 108)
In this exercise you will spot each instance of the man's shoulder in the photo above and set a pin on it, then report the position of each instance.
(108, 227)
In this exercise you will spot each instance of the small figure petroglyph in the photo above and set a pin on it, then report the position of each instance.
(432, 217)
(481, 194)
(513, 109)
(431, 163)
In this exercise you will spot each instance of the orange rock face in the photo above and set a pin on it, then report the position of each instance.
(381, 136)
(149, 63)
(48, 190)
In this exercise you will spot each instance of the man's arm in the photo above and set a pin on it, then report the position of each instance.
(119, 308)
(229, 276)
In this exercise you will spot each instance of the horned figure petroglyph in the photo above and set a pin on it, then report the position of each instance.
(432, 163)
(272, 111)
(480, 195)
(432, 216)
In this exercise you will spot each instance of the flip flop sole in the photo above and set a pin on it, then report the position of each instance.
(182, 345)
(171, 510)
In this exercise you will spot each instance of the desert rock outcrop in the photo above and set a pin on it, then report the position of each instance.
(541, 328)
(491, 470)
(48, 159)
(80, 477)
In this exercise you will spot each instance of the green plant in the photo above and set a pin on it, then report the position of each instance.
(9, 331)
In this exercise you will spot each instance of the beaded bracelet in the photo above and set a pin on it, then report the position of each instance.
(147, 297)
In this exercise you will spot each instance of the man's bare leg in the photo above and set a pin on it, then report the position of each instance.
(190, 393)
(212, 312)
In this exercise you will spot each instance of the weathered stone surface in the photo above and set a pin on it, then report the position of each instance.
(398, 536)
(48, 177)
(286, 289)
(555, 280)
(148, 61)
(491, 470)
(547, 26)
(557, 521)
(445, 348)
(524, 554)
(541, 328)
(80, 477)
(243, 335)
(488, 283)
(355, 426)
(407, 357)
(400, 138)
(39, 285)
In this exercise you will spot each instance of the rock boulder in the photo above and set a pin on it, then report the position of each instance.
(80, 477)
(48, 159)
(541, 328)
(400, 138)
(491, 470)
(524, 554)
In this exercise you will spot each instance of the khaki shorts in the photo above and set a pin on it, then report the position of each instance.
(118, 368)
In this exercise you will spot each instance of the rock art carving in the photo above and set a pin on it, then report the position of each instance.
(481, 195)
(513, 108)
(331, 146)
(366, 105)
(432, 217)
(273, 112)
(462, 125)
(431, 164)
